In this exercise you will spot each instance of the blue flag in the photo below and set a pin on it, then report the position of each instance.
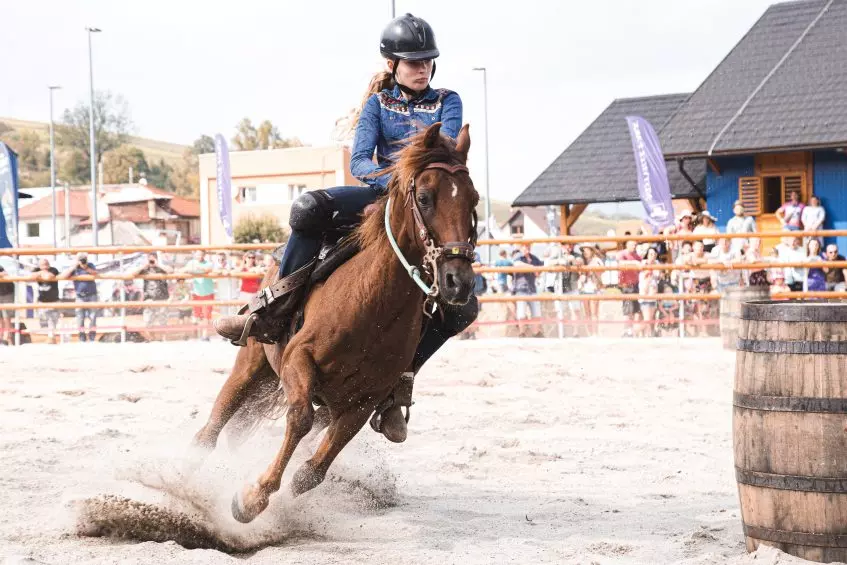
(8, 197)
(653, 185)
(223, 182)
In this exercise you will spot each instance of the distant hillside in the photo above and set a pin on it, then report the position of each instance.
(153, 149)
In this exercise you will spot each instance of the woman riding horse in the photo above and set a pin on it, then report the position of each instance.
(399, 104)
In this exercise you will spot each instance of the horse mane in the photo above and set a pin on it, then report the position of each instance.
(411, 159)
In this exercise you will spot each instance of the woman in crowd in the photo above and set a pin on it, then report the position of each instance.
(648, 284)
(753, 254)
(589, 283)
(815, 277)
(813, 216)
(706, 226)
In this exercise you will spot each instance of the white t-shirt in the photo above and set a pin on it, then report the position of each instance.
(813, 217)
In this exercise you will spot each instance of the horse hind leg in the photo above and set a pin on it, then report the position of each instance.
(246, 378)
(298, 383)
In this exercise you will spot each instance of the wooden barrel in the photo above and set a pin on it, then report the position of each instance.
(730, 306)
(790, 427)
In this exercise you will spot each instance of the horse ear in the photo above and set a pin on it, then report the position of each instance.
(431, 136)
(463, 141)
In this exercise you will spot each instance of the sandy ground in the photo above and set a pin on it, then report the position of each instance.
(531, 451)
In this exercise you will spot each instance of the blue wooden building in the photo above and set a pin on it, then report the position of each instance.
(769, 119)
(772, 117)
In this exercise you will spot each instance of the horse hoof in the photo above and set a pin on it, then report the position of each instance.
(238, 509)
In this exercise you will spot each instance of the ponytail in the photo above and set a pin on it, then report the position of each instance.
(379, 82)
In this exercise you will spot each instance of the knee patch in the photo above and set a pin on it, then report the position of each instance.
(311, 212)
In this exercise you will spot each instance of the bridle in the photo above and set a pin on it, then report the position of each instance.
(433, 253)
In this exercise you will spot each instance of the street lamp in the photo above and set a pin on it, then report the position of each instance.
(93, 146)
(53, 165)
(487, 233)
(391, 3)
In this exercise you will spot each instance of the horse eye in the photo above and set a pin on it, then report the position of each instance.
(424, 199)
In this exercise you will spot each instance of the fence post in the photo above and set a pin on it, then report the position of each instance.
(16, 322)
(122, 295)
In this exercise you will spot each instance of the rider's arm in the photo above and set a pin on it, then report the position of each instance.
(451, 115)
(364, 144)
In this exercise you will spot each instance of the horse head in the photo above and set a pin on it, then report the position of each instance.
(442, 200)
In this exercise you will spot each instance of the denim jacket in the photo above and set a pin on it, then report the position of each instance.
(388, 119)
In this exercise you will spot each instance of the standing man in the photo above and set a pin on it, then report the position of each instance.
(740, 224)
(154, 290)
(202, 289)
(48, 292)
(628, 281)
(790, 214)
(525, 286)
(86, 291)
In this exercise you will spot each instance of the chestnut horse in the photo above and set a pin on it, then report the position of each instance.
(361, 327)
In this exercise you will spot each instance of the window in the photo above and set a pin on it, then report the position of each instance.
(766, 194)
(295, 190)
(249, 194)
(516, 230)
(33, 230)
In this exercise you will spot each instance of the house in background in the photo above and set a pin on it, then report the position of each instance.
(128, 214)
(772, 117)
(268, 181)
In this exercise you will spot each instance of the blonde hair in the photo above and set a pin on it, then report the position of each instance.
(379, 82)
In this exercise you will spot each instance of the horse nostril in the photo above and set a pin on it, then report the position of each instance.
(451, 281)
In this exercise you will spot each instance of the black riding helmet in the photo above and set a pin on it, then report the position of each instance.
(408, 38)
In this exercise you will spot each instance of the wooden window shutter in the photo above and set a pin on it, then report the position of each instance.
(750, 194)
(791, 183)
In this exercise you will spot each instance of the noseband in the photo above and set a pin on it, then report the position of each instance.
(433, 253)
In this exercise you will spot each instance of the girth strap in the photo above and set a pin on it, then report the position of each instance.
(280, 288)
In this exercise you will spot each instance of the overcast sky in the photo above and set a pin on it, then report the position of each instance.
(191, 67)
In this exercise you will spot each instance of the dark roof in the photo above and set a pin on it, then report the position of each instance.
(783, 86)
(599, 166)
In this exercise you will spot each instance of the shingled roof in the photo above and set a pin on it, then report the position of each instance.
(782, 87)
(599, 166)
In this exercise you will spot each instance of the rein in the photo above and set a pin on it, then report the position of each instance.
(432, 252)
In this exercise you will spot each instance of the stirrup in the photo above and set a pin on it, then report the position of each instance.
(376, 419)
(245, 333)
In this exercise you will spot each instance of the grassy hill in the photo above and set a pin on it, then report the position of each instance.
(153, 149)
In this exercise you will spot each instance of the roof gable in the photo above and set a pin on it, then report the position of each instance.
(783, 86)
(599, 165)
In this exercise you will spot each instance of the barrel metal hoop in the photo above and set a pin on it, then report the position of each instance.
(790, 403)
(794, 311)
(795, 538)
(793, 347)
(791, 482)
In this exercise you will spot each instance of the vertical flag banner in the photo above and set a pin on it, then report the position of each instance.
(653, 185)
(8, 197)
(223, 183)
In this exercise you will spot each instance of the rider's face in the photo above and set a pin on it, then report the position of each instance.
(413, 74)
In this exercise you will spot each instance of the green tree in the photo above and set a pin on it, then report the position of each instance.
(112, 126)
(74, 167)
(203, 144)
(116, 164)
(161, 175)
(249, 137)
(263, 229)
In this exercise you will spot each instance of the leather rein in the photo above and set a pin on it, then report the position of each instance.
(433, 253)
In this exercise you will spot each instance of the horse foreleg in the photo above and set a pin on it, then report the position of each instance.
(339, 434)
(248, 362)
(298, 378)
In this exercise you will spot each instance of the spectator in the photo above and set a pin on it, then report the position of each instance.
(182, 293)
(740, 224)
(682, 226)
(648, 284)
(503, 278)
(834, 276)
(590, 283)
(790, 214)
(202, 289)
(813, 216)
(815, 277)
(700, 283)
(48, 293)
(753, 254)
(154, 290)
(707, 227)
(525, 286)
(628, 280)
(85, 291)
(7, 296)
(722, 279)
(568, 283)
(793, 253)
(249, 286)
